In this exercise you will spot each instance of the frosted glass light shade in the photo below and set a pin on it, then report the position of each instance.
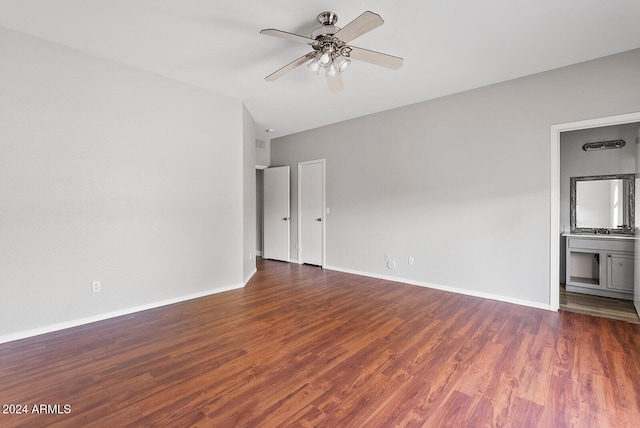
(314, 66)
(325, 58)
(342, 63)
(332, 71)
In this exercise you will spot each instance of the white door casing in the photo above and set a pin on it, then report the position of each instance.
(554, 230)
(276, 212)
(636, 279)
(311, 212)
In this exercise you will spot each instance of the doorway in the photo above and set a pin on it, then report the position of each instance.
(311, 212)
(559, 220)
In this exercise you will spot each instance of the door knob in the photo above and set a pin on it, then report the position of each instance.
(285, 218)
(319, 219)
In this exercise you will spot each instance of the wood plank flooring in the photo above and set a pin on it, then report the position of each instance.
(300, 346)
(617, 309)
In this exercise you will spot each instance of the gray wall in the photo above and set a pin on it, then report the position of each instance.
(575, 162)
(113, 174)
(263, 156)
(460, 183)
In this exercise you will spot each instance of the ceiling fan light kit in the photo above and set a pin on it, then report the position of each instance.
(330, 50)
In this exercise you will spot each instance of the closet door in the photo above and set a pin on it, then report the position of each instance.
(311, 212)
(276, 212)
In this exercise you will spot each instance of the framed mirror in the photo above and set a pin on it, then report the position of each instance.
(603, 204)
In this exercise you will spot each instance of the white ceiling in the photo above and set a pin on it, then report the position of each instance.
(448, 45)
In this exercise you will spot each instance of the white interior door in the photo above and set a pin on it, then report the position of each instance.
(636, 282)
(311, 211)
(276, 212)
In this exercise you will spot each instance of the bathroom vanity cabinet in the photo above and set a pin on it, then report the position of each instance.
(600, 265)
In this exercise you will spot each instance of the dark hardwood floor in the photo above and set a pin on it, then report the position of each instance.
(302, 346)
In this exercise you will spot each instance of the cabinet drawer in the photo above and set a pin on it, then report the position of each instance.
(601, 244)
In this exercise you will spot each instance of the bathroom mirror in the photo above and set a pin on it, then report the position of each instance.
(603, 204)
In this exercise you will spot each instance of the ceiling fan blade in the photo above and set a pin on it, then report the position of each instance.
(362, 24)
(335, 83)
(377, 58)
(288, 36)
(287, 68)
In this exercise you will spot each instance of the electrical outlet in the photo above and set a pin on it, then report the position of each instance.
(96, 286)
(410, 260)
(250, 255)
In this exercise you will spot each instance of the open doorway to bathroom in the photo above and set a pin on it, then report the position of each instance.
(596, 248)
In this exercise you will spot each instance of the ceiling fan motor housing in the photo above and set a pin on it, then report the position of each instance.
(328, 18)
(328, 27)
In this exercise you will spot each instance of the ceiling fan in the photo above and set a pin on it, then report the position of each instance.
(331, 53)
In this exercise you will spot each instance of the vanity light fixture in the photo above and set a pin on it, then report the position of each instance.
(604, 145)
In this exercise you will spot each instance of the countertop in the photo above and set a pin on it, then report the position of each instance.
(599, 236)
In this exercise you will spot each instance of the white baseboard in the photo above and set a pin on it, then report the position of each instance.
(101, 317)
(499, 298)
(248, 278)
(258, 253)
